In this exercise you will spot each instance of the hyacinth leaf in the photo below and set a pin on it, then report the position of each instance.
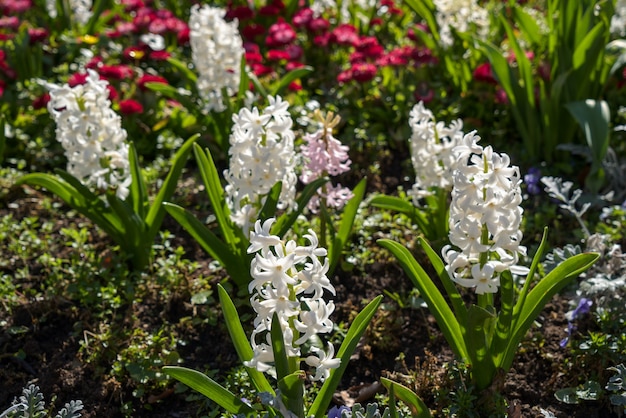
(346, 224)
(240, 341)
(82, 200)
(322, 400)
(426, 9)
(237, 268)
(448, 323)
(528, 25)
(271, 201)
(209, 388)
(521, 299)
(278, 87)
(460, 311)
(286, 220)
(479, 330)
(292, 392)
(155, 215)
(138, 194)
(505, 316)
(258, 86)
(244, 83)
(211, 180)
(594, 118)
(183, 68)
(416, 405)
(537, 298)
(172, 93)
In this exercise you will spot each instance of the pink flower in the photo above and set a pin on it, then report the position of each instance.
(77, 79)
(302, 17)
(252, 30)
(133, 53)
(292, 65)
(277, 55)
(37, 35)
(279, 34)
(240, 13)
(344, 76)
(159, 55)
(363, 72)
(115, 72)
(344, 34)
(41, 101)
(318, 25)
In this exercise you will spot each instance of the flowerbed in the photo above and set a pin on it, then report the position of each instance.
(294, 209)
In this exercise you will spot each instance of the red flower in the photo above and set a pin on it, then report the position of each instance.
(344, 76)
(292, 65)
(94, 63)
(322, 40)
(77, 79)
(501, 97)
(295, 86)
(133, 53)
(279, 34)
(252, 30)
(9, 22)
(240, 13)
(483, 73)
(295, 51)
(369, 47)
(302, 17)
(318, 25)
(157, 26)
(159, 55)
(2, 87)
(260, 69)
(41, 101)
(132, 5)
(344, 34)
(277, 55)
(115, 72)
(253, 58)
(130, 107)
(272, 9)
(37, 35)
(363, 72)
(113, 95)
(150, 78)
(183, 36)
(16, 6)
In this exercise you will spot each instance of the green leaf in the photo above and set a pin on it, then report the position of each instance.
(437, 304)
(240, 341)
(528, 25)
(155, 215)
(360, 323)
(138, 193)
(183, 68)
(346, 224)
(292, 75)
(406, 395)
(209, 388)
(172, 93)
(594, 118)
(211, 180)
(286, 220)
(537, 298)
(271, 201)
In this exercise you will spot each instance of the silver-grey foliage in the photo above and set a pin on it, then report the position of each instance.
(30, 404)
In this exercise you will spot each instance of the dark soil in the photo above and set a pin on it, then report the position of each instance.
(39, 343)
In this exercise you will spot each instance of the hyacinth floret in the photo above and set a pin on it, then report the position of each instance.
(216, 51)
(261, 154)
(289, 281)
(431, 151)
(324, 155)
(460, 15)
(485, 218)
(91, 134)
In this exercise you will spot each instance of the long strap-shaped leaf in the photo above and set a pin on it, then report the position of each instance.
(240, 341)
(437, 304)
(540, 295)
(138, 193)
(345, 224)
(417, 406)
(286, 220)
(360, 323)
(155, 215)
(209, 388)
(238, 268)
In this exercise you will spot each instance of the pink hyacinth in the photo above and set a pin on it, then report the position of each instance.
(325, 155)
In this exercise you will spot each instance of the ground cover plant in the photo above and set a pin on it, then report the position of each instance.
(312, 208)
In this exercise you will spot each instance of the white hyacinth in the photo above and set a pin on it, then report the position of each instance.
(431, 151)
(91, 134)
(618, 20)
(289, 280)
(261, 154)
(80, 9)
(485, 217)
(216, 51)
(462, 15)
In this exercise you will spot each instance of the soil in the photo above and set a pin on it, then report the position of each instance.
(43, 333)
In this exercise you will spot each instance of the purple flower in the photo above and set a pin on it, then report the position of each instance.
(336, 411)
(532, 181)
(583, 307)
